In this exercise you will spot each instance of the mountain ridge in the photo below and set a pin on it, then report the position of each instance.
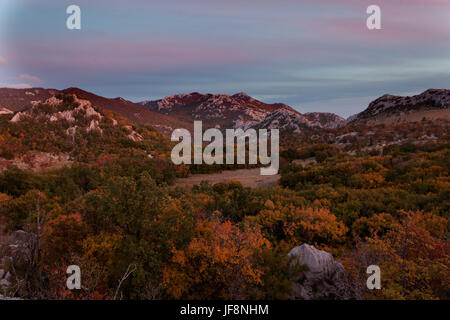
(238, 110)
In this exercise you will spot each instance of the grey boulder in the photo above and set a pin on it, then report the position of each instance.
(324, 279)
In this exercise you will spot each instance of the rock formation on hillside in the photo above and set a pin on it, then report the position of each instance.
(14, 254)
(5, 111)
(64, 129)
(288, 120)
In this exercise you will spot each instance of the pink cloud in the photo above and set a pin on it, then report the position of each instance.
(2, 61)
(384, 2)
(15, 85)
(29, 78)
(417, 30)
(24, 81)
(127, 55)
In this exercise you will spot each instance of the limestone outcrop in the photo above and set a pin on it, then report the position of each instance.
(324, 279)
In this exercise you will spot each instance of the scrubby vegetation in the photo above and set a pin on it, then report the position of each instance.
(114, 214)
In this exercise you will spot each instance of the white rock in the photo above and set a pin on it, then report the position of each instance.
(17, 117)
(8, 298)
(320, 263)
(325, 277)
(94, 125)
(5, 283)
(91, 112)
(53, 101)
(5, 111)
(71, 131)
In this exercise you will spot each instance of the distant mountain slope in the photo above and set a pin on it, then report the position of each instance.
(240, 111)
(286, 120)
(215, 110)
(431, 104)
(20, 99)
(132, 111)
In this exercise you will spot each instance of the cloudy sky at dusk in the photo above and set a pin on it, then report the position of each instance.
(314, 55)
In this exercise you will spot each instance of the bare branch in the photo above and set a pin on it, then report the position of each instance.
(131, 268)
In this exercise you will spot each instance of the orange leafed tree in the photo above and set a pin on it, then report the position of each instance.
(218, 263)
(301, 225)
(414, 258)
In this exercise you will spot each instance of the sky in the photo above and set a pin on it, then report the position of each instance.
(315, 55)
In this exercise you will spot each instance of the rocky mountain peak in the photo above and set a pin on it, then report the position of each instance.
(243, 96)
(389, 107)
(284, 119)
(289, 120)
(218, 110)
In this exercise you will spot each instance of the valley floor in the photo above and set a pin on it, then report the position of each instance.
(248, 177)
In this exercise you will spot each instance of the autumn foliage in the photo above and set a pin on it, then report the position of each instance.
(114, 213)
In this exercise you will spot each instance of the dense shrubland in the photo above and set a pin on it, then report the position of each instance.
(225, 241)
(114, 214)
